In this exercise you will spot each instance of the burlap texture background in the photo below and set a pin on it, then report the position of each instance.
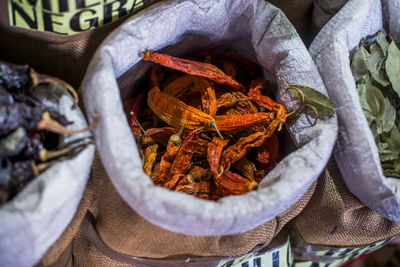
(125, 232)
(339, 218)
(67, 57)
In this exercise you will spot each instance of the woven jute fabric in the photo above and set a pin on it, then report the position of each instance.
(335, 217)
(67, 57)
(126, 232)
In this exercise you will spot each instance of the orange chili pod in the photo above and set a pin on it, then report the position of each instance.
(150, 154)
(173, 111)
(230, 183)
(162, 169)
(214, 152)
(171, 184)
(195, 68)
(244, 166)
(208, 98)
(235, 122)
(185, 154)
(240, 148)
(264, 101)
(179, 85)
(202, 189)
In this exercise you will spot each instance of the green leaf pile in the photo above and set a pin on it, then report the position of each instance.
(376, 70)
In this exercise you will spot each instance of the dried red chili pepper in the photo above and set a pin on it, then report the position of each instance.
(235, 122)
(161, 170)
(196, 68)
(173, 182)
(214, 153)
(150, 154)
(202, 189)
(230, 183)
(179, 85)
(185, 154)
(208, 98)
(244, 166)
(264, 101)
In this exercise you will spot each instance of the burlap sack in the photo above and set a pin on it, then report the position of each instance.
(356, 152)
(89, 251)
(256, 30)
(126, 232)
(34, 219)
(339, 218)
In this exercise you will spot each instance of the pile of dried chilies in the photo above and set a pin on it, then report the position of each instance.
(376, 69)
(202, 132)
(32, 129)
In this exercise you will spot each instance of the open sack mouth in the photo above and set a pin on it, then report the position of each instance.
(121, 57)
(197, 133)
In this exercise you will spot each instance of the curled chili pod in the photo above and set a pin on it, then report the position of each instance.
(150, 154)
(195, 68)
(230, 183)
(214, 152)
(162, 169)
(264, 101)
(236, 151)
(184, 157)
(172, 183)
(208, 98)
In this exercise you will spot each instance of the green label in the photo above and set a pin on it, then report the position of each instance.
(69, 17)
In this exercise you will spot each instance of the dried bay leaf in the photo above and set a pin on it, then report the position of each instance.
(359, 65)
(376, 102)
(393, 66)
(383, 42)
(375, 64)
(314, 98)
(389, 117)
